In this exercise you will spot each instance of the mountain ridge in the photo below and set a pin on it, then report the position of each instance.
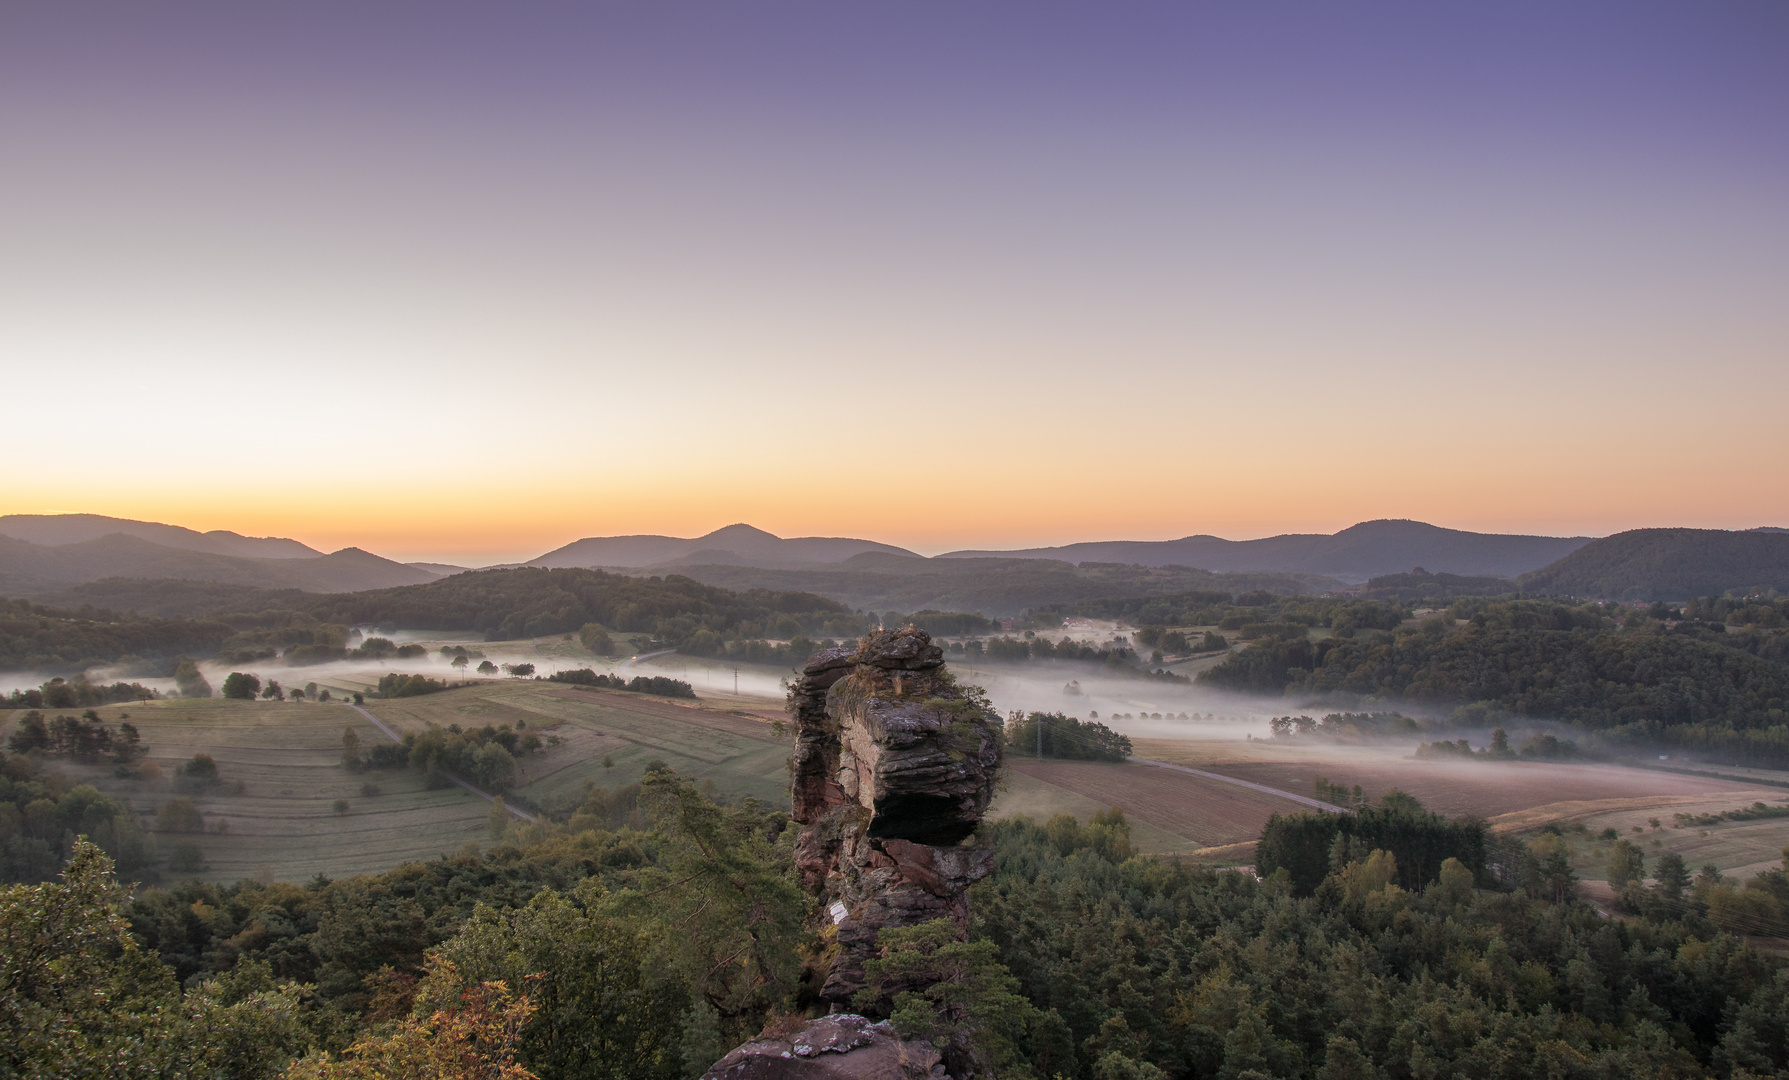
(746, 544)
(57, 530)
(28, 569)
(1355, 554)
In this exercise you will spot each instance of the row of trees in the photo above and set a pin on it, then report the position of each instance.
(662, 685)
(86, 740)
(1054, 735)
(78, 693)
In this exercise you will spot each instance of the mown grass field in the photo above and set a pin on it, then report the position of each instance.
(273, 816)
(740, 754)
(287, 760)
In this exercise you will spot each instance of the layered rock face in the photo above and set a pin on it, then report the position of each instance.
(838, 1047)
(894, 767)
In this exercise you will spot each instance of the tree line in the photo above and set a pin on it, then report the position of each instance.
(1634, 680)
(640, 684)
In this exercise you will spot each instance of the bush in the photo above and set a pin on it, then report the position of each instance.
(596, 638)
(179, 815)
(200, 770)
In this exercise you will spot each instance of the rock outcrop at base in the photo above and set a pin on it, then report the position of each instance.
(838, 1047)
(894, 767)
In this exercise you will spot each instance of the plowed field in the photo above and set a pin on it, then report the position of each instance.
(1486, 789)
(1208, 813)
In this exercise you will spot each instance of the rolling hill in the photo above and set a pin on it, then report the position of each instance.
(1357, 553)
(1668, 564)
(735, 545)
(33, 570)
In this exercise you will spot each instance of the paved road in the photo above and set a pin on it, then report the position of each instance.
(373, 720)
(1263, 788)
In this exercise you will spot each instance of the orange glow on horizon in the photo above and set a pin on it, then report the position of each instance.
(480, 519)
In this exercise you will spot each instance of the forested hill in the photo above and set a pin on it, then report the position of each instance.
(529, 602)
(1668, 564)
(877, 582)
(1688, 678)
(42, 639)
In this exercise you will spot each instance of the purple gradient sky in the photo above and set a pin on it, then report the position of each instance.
(1237, 269)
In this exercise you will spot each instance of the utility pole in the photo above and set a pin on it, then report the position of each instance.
(735, 682)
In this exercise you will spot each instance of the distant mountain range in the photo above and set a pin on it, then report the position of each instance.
(41, 555)
(55, 530)
(34, 569)
(735, 545)
(1367, 550)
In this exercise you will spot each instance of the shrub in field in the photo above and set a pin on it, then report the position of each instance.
(179, 815)
(241, 686)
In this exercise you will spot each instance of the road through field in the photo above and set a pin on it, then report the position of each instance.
(394, 738)
(1263, 788)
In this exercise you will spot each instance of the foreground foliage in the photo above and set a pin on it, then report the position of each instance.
(1375, 947)
(79, 997)
(1143, 968)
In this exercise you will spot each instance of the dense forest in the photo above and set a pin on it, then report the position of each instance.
(670, 928)
(61, 642)
(1655, 676)
(1420, 585)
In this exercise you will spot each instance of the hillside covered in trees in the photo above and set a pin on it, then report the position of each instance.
(1668, 564)
(56, 642)
(245, 624)
(992, 586)
(1654, 676)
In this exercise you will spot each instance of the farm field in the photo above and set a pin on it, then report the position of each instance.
(740, 754)
(287, 760)
(1202, 813)
(1522, 797)
(273, 814)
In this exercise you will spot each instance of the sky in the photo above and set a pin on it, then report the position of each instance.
(469, 281)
